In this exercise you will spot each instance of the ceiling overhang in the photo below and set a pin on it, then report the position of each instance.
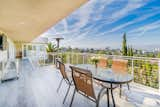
(24, 20)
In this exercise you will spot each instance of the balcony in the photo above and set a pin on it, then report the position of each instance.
(39, 80)
(30, 76)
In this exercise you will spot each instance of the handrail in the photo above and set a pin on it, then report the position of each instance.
(71, 59)
(116, 56)
(76, 57)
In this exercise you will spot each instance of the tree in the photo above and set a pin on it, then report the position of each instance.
(101, 52)
(91, 50)
(130, 51)
(158, 55)
(51, 48)
(69, 49)
(124, 45)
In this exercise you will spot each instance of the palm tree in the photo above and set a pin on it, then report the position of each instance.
(51, 47)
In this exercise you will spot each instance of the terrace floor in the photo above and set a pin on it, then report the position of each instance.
(36, 87)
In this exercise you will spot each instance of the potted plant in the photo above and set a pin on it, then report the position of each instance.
(95, 60)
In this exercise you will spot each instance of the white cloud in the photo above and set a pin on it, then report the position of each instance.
(65, 24)
(143, 29)
(88, 13)
(132, 22)
(78, 34)
(118, 14)
(83, 14)
(130, 6)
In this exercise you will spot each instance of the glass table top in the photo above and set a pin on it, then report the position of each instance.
(107, 75)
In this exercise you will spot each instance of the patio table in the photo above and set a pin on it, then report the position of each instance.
(107, 76)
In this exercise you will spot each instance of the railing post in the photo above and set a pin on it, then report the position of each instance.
(83, 57)
(53, 56)
(132, 72)
(72, 58)
(77, 57)
(61, 57)
(44, 58)
(159, 73)
(69, 58)
(17, 66)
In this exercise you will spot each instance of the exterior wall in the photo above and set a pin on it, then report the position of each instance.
(9, 52)
(3, 59)
(6, 55)
(11, 49)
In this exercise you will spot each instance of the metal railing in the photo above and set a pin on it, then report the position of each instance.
(146, 71)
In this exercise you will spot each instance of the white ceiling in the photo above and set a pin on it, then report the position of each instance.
(24, 20)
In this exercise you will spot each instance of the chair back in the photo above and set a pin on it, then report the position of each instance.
(119, 65)
(83, 81)
(56, 63)
(102, 62)
(57, 60)
(62, 69)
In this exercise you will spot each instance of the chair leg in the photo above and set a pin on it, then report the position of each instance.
(66, 94)
(72, 98)
(108, 97)
(128, 86)
(99, 95)
(97, 103)
(120, 91)
(112, 96)
(59, 85)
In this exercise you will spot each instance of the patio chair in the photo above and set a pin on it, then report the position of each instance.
(57, 60)
(102, 62)
(84, 85)
(120, 66)
(65, 77)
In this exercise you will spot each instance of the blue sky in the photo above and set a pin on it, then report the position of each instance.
(102, 23)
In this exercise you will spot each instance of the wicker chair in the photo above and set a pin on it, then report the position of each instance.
(84, 85)
(65, 77)
(120, 66)
(102, 62)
